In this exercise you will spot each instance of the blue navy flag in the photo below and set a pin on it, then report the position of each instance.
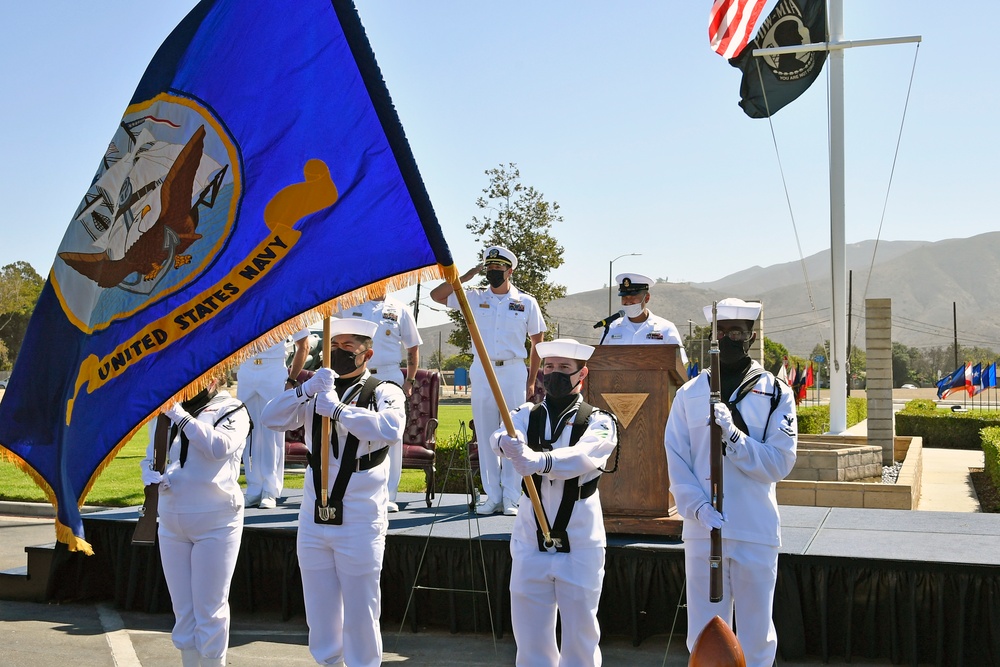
(258, 178)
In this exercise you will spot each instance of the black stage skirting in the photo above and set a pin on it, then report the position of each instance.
(877, 584)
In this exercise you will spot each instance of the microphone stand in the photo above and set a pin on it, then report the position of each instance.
(607, 328)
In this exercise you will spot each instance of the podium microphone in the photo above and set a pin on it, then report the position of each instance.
(609, 319)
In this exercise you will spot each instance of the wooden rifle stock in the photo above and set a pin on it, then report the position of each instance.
(145, 528)
(718, 449)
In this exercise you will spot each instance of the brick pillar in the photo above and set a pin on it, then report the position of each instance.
(878, 344)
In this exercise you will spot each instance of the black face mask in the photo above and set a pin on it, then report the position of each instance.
(559, 385)
(343, 362)
(495, 277)
(731, 351)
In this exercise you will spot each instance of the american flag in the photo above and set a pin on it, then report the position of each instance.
(731, 23)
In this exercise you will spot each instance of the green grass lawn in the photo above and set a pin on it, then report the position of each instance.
(119, 484)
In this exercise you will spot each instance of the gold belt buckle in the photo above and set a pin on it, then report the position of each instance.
(498, 362)
(258, 362)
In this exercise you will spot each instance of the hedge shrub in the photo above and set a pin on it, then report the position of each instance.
(991, 452)
(942, 429)
(815, 419)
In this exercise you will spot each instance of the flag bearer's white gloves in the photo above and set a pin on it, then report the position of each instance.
(526, 461)
(176, 413)
(321, 381)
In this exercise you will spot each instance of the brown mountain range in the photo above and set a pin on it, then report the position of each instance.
(924, 279)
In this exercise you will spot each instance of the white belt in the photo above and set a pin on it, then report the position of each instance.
(269, 360)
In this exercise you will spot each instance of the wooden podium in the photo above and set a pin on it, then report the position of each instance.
(637, 383)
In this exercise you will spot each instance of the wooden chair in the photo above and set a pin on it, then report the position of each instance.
(420, 436)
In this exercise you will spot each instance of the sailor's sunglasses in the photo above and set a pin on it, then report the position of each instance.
(735, 335)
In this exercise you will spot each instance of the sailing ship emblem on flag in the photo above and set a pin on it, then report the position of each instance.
(161, 205)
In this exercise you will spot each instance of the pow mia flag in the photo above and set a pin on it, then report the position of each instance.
(771, 82)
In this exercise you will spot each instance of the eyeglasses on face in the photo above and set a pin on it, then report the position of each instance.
(736, 335)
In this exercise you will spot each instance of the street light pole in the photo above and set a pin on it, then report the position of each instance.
(611, 264)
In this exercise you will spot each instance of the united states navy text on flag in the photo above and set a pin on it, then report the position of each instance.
(258, 177)
(771, 82)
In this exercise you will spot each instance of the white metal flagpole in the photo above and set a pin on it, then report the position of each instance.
(838, 243)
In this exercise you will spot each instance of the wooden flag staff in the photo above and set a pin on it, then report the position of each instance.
(324, 449)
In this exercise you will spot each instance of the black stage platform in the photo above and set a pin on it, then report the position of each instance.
(900, 585)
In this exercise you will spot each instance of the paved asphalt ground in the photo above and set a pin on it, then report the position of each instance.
(95, 635)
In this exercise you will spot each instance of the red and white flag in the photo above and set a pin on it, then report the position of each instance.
(731, 23)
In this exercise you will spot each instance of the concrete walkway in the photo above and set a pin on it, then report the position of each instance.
(945, 484)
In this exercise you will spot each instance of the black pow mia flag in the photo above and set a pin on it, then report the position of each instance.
(771, 82)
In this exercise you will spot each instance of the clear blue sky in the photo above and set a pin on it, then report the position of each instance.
(620, 112)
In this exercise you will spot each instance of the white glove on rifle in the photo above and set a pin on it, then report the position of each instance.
(734, 436)
(150, 476)
(708, 517)
(328, 404)
(322, 380)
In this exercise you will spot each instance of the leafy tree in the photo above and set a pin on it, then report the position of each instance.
(20, 287)
(858, 368)
(774, 354)
(519, 218)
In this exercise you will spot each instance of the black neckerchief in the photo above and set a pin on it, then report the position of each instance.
(733, 375)
(197, 403)
(557, 406)
(342, 384)
(194, 406)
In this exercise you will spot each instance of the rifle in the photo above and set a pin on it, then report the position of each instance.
(718, 450)
(145, 528)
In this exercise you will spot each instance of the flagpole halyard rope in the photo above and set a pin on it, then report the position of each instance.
(784, 185)
(888, 186)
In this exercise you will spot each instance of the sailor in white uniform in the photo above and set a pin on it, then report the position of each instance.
(259, 379)
(564, 444)
(201, 518)
(639, 326)
(760, 433)
(505, 316)
(340, 545)
(397, 331)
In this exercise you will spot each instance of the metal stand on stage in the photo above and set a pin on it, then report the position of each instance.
(473, 495)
